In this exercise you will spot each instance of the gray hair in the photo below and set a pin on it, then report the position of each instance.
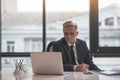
(70, 23)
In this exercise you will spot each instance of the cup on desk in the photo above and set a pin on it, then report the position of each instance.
(24, 67)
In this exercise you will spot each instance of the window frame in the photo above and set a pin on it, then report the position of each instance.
(94, 35)
(24, 54)
(0, 35)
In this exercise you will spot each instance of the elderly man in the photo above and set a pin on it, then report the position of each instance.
(76, 56)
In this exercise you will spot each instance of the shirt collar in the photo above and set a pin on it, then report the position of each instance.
(69, 44)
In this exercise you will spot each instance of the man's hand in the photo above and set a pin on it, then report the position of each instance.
(82, 67)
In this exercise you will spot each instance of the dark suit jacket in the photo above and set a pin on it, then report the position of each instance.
(82, 51)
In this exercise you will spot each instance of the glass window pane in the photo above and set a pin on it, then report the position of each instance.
(109, 30)
(105, 63)
(22, 24)
(59, 11)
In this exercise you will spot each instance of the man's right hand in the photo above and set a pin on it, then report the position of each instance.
(82, 67)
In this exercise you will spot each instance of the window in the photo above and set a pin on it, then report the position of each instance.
(24, 27)
(21, 19)
(28, 26)
(21, 29)
(107, 37)
(109, 21)
(10, 46)
(33, 45)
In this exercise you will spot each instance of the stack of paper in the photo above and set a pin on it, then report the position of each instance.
(113, 71)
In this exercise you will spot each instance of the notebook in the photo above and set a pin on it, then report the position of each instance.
(110, 72)
(47, 62)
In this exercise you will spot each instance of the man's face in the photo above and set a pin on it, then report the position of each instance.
(70, 34)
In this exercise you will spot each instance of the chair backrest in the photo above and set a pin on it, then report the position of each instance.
(50, 46)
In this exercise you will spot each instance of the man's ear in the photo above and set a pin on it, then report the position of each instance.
(77, 32)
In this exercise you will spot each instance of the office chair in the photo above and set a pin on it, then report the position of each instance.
(50, 45)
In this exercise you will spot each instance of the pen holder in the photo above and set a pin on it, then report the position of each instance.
(18, 66)
(18, 72)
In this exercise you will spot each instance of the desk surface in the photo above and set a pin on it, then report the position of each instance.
(8, 74)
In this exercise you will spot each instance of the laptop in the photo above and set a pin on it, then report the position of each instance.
(47, 62)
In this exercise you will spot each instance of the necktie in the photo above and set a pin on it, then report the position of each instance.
(72, 54)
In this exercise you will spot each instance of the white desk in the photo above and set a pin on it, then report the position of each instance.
(8, 75)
